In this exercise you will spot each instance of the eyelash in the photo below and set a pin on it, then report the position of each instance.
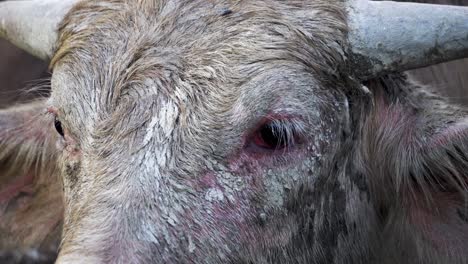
(276, 136)
(57, 123)
(58, 127)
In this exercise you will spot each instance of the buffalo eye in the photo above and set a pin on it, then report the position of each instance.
(58, 127)
(276, 135)
(268, 137)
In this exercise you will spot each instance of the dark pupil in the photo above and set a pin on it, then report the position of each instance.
(273, 139)
(58, 127)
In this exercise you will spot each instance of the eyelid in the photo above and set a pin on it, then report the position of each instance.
(52, 110)
(292, 122)
(282, 117)
(294, 136)
(52, 113)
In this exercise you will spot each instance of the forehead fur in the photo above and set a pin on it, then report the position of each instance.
(122, 51)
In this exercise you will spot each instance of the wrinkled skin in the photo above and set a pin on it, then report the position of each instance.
(164, 153)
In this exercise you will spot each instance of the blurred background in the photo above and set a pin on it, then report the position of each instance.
(20, 71)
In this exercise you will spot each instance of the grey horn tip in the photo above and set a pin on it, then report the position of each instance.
(388, 36)
(32, 24)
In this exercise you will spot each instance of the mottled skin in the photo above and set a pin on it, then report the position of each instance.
(161, 104)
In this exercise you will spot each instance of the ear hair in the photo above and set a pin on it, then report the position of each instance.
(27, 141)
(414, 151)
(409, 161)
(31, 204)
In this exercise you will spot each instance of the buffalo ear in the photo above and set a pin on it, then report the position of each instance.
(415, 152)
(31, 204)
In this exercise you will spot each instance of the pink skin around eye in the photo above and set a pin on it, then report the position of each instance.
(70, 143)
(52, 110)
(259, 141)
(254, 156)
(254, 140)
(250, 164)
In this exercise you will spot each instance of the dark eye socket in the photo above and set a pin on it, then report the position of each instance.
(58, 127)
(276, 135)
(269, 137)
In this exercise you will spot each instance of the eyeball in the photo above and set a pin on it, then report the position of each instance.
(58, 127)
(276, 135)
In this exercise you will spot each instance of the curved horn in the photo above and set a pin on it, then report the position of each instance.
(32, 25)
(389, 36)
